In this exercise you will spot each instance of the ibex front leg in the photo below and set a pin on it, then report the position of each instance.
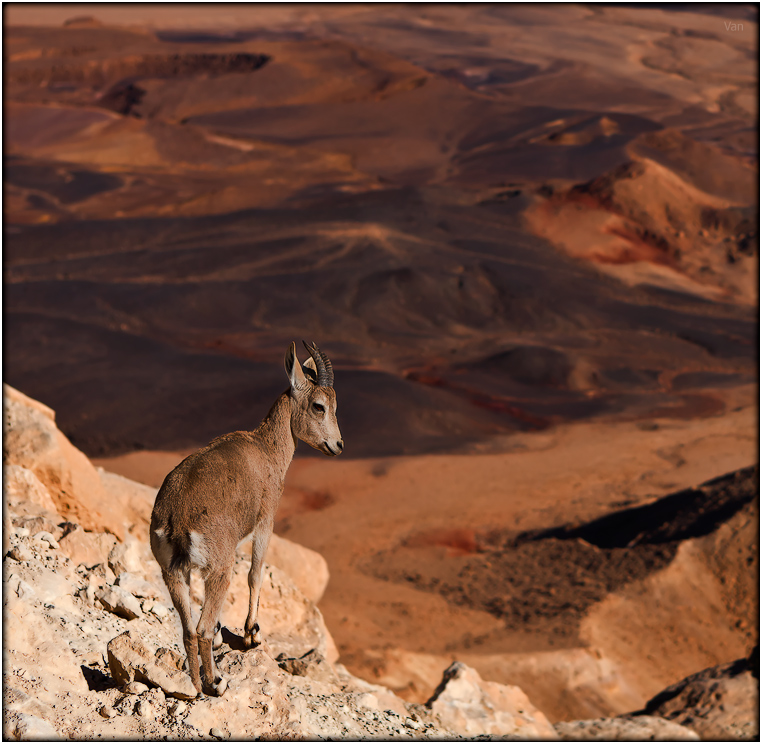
(260, 541)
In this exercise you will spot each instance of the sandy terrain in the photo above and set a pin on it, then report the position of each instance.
(527, 237)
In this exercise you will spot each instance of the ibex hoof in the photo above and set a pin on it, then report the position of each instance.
(217, 642)
(216, 689)
(252, 638)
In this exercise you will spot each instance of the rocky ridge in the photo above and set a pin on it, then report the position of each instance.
(93, 648)
(715, 702)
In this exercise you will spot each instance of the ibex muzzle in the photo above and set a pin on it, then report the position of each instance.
(229, 491)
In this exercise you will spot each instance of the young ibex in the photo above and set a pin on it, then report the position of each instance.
(229, 491)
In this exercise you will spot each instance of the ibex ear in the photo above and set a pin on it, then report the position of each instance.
(294, 369)
(310, 370)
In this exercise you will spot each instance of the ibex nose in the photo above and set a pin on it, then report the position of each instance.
(340, 445)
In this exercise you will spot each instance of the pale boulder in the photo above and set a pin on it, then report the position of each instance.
(46, 585)
(130, 660)
(14, 699)
(25, 727)
(135, 500)
(33, 642)
(468, 705)
(90, 548)
(307, 568)
(126, 556)
(292, 624)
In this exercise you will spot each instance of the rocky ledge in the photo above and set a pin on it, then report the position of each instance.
(92, 643)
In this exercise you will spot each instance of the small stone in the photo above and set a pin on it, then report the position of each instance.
(107, 711)
(135, 688)
(368, 700)
(45, 536)
(158, 609)
(100, 575)
(24, 590)
(410, 723)
(125, 705)
(216, 733)
(119, 602)
(177, 708)
(144, 709)
(312, 665)
(156, 696)
(21, 553)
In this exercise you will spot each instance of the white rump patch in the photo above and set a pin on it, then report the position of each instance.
(197, 551)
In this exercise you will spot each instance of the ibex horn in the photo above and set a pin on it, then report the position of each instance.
(323, 364)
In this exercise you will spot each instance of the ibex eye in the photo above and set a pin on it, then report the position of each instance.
(319, 407)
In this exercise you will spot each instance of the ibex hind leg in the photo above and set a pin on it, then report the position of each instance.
(178, 583)
(215, 589)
